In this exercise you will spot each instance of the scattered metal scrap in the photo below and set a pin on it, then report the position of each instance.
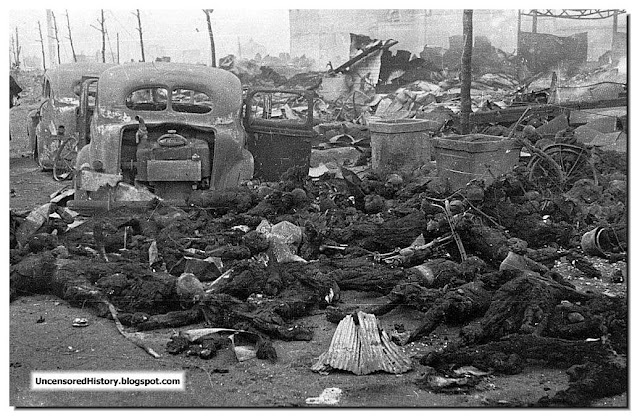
(361, 346)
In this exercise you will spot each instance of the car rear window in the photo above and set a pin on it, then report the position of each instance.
(147, 99)
(190, 101)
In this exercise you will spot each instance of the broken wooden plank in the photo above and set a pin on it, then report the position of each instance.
(511, 114)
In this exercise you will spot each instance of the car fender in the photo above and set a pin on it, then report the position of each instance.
(83, 157)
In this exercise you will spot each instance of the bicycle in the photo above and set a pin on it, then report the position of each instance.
(65, 159)
(558, 166)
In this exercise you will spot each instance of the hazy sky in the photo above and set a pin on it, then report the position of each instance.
(171, 31)
(165, 32)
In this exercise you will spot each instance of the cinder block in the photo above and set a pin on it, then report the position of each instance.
(559, 123)
(401, 144)
(604, 124)
(460, 159)
(616, 141)
(585, 134)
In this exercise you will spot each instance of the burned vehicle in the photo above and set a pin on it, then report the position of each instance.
(55, 119)
(165, 128)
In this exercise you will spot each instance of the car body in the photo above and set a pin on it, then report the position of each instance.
(172, 128)
(58, 108)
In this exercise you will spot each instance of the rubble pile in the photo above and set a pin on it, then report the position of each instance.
(284, 72)
(262, 257)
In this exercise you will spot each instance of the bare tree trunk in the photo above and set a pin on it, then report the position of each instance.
(15, 46)
(50, 38)
(140, 31)
(465, 71)
(208, 12)
(118, 47)
(103, 31)
(55, 29)
(113, 58)
(18, 50)
(12, 52)
(73, 51)
(104, 60)
(44, 62)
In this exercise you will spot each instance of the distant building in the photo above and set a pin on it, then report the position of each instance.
(32, 62)
(250, 49)
(108, 57)
(154, 50)
(324, 34)
(193, 57)
(83, 58)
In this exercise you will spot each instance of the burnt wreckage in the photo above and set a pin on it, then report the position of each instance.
(487, 253)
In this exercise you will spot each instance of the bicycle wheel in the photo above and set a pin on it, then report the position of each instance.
(574, 161)
(65, 160)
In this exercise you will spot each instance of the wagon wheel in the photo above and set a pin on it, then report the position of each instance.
(65, 159)
(575, 162)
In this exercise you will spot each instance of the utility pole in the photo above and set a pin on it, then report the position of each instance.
(44, 62)
(73, 51)
(208, 12)
(118, 46)
(465, 73)
(137, 14)
(103, 31)
(55, 28)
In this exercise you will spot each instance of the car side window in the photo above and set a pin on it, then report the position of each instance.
(147, 99)
(281, 106)
(92, 94)
(190, 101)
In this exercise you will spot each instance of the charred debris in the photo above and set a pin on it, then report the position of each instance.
(486, 255)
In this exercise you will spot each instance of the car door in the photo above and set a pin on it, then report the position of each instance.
(45, 139)
(279, 126)
(85, 109)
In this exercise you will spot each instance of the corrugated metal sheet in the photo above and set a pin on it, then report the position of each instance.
(362, 348)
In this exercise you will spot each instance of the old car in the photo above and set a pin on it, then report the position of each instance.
(56, 117)
(164, 128)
